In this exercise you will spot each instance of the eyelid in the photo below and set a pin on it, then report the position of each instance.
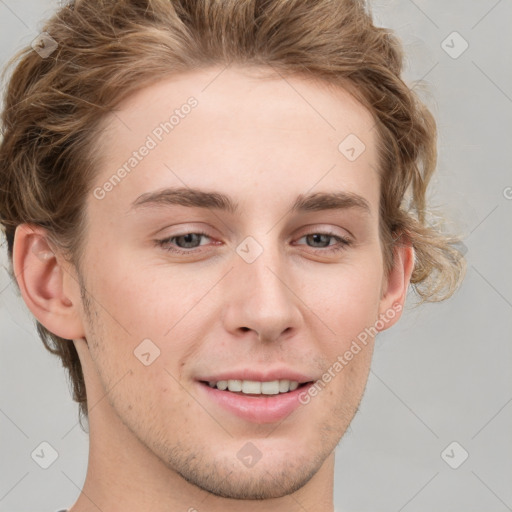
(342, 244)
(308, 229)
(326, 229)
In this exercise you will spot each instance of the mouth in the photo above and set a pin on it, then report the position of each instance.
(255, 401)
(252, 388)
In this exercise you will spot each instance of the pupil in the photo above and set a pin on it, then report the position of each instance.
(318, 235)
(187, 237)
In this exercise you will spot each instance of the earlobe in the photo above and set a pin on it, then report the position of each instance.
(40, 276)
(396, 285)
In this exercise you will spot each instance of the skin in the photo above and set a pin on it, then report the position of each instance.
(156, 442)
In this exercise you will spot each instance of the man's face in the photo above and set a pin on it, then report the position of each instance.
(261, 291)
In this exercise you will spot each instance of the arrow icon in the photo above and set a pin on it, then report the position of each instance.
(146, 352)
(454, 455)
(249, 455)
(249, 254)
(454, 45)
(44, 455)
(351, 147)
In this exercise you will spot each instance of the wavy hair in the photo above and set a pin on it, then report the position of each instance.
(106, 50)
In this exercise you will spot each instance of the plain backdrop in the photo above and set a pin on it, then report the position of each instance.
(440, 388)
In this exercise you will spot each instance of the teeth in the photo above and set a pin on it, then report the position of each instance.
(222, 384)
(270, 388)
(251, 387)
(284, 386)
(235, 385)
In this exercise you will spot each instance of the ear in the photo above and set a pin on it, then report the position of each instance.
(49, 290)
(394, 288)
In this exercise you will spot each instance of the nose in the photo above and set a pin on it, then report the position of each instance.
(261, 297)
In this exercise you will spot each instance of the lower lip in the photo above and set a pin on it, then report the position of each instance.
(258, 409)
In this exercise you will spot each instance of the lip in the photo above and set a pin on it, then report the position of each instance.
(260, 376)
(257, 409)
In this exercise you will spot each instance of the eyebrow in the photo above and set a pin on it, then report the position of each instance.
(196, 198)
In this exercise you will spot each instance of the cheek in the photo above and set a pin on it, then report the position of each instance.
(349, 307)
(350, 297)
(140, 303)
(145, 326)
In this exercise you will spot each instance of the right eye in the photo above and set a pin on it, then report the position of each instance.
(172, 243)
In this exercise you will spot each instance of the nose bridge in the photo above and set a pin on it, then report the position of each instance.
(262, 298)
(265, 275)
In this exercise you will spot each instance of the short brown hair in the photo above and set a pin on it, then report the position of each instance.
(108, 49)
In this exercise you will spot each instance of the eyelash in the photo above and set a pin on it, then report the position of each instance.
(343, 243)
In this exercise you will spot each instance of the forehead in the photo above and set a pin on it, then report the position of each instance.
(237, 130)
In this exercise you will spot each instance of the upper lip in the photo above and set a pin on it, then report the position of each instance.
(261, 376)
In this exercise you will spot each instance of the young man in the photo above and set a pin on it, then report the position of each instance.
(211, 209)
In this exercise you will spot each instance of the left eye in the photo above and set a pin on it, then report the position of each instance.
(343, 242)
(188, 241)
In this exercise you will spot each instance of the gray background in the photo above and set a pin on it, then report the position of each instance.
(441, 375)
